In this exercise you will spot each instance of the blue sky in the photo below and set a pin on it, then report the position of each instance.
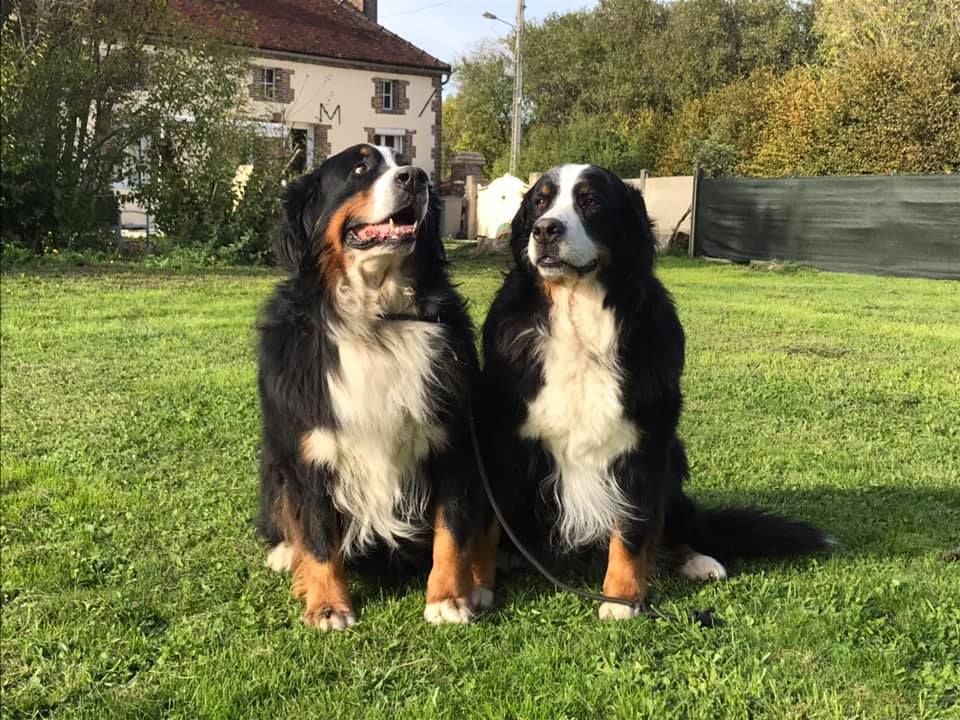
(449, 28)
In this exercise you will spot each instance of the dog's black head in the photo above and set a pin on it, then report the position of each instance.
(362, 203)
(581, 219)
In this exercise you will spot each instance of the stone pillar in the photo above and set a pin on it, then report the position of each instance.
(466, 164)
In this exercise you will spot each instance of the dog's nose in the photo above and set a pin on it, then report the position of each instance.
(411, 178)
(548, 230)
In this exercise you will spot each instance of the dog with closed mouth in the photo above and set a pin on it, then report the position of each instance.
(583, 356)
(367, 367)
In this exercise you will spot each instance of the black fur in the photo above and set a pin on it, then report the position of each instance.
(651, 356)
(297, 352)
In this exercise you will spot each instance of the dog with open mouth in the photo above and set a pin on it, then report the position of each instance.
(583, 356)
(367, 368)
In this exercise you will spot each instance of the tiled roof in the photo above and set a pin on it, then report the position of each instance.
(322, 28)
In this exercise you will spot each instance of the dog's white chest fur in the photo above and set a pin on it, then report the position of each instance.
(380, 396)
(578, 414)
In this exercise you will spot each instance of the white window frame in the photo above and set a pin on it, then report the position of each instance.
(396, 134)
(268, 89)
(388, 94)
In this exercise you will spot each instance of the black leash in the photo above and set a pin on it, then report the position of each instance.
(585, 594)
(704, 618)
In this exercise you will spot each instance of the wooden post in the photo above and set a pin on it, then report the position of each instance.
(691, 244)
(470, 196)
(643, 181)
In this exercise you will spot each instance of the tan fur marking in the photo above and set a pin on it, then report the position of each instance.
(334, 258)
(450, 576)
(627, 573)
(319, 447)
(322, 585)
(485, 556)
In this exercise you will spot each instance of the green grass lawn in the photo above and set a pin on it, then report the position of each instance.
(133, 585)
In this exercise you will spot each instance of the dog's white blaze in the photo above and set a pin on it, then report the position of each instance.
(576, 247)
(384, 189)
(703, 567)
(387, 154)
(578, 414)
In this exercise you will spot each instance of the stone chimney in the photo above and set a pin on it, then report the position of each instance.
(367, 7)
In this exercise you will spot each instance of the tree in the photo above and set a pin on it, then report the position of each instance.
(478, 117)
(720, 131)
(605, 72)
(847, 27)
(588, 138)
(67, 67)
(886, 110)
(97, 90)
(193, 139)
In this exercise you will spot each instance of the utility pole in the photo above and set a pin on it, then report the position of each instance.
(515, 125)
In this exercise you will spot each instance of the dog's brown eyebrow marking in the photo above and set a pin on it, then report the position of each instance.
(365, 151)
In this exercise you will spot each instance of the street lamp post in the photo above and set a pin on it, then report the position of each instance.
(515, 126)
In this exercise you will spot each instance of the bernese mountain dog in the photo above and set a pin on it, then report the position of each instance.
(583, 354)
(367, 368)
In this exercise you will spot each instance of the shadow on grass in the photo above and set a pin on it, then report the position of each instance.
(882, 521)
(879, 523)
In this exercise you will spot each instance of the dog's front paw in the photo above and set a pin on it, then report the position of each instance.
(481, 597)
(456, 611)
(327, 617)
(616, 611)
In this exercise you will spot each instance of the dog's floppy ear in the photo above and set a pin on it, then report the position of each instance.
(520, 229)
(641, 228)
(430, 242)
(294, 246)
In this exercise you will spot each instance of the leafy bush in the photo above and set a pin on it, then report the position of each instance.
(89, 97)
(770, 87)
(883, 111)
(588, 138)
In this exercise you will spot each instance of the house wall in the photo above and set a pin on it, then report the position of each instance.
(336, 106)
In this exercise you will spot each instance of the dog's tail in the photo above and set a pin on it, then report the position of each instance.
(747, 533)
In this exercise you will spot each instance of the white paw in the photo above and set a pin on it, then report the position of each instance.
(331, 619)
(280, 558)
(457, 612)
(481, 598)
(703, 567)
(616, 611)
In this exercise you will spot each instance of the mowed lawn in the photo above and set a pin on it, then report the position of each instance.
(133, 585)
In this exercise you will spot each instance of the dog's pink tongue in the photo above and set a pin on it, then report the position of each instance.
(382, 231)
(374, 232)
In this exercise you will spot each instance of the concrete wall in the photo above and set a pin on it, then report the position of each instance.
(452, 210)
(337, 102)
(667, 199)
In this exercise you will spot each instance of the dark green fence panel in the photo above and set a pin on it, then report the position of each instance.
(892, 225)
